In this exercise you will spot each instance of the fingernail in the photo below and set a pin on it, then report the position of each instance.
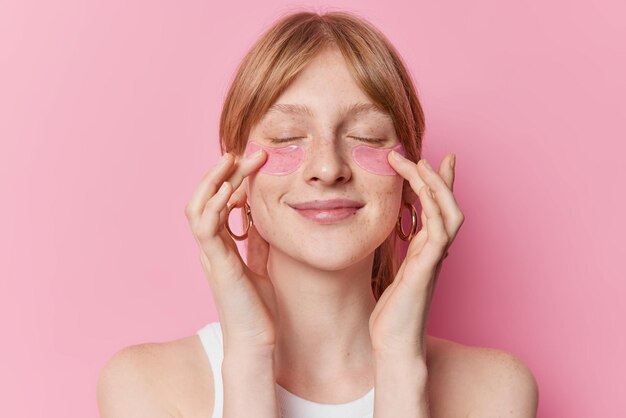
(427, 165)
(396, 155)
(452, 161)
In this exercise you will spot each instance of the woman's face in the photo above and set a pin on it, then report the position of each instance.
(327, 171)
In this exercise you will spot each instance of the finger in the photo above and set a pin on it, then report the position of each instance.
(446, 170)
(207, 188)
(208, 231)
(244, 166)
(236, 204)
(222, 171)
(452, 215)
(223, 232)
(434, 220)
(238, 198)
(432, 250)
(215, 241)
(407, 169)
(257, 247)
(423, 218)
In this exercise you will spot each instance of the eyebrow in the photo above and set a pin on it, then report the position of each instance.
(349, 110)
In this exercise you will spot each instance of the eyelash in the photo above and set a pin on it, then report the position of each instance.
(368, 140)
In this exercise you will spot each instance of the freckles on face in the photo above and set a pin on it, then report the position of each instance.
(385, 194)
(327, 247)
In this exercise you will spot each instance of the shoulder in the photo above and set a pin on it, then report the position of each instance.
(507, 385)
(156, 379)
(486, 381)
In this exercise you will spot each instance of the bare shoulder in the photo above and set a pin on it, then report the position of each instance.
(165, 379)
(481, 381)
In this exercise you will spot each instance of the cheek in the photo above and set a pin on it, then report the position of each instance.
(391, 196)
(264, 194)
(261, 190)
(384, 194)
(285, 160)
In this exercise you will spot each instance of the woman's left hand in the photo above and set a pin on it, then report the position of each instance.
(397, 324)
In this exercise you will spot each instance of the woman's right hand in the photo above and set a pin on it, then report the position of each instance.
(245, 298)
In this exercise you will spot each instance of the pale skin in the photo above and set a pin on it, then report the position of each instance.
(307, 309)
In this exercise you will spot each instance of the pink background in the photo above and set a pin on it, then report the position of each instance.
(108, 119)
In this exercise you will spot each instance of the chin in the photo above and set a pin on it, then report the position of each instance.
(329, 258)
(325, 248)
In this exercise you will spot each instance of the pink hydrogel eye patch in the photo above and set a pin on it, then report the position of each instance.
(280, 161)
(374, 159)
(285, 160)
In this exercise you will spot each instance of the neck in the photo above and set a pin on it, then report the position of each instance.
(323, 328)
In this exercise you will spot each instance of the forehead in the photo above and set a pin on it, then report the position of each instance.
(355, 109)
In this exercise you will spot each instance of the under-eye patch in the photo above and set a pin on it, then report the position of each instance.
(374, 159)
(280, 161)
(285, 160)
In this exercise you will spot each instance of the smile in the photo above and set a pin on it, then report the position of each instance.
(328, 216)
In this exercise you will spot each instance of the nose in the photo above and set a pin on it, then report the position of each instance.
(325, 163)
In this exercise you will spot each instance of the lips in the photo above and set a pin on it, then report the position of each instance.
(327, 211)
(327, 204)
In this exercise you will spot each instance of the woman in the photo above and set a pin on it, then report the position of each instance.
(320, 131)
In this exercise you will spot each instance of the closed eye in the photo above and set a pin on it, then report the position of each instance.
(368, 140)
(281, 140)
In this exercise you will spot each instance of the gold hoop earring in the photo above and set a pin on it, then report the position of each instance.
(249, 222)
(400, 232)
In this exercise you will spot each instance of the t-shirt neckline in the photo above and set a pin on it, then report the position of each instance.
(293, 405)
